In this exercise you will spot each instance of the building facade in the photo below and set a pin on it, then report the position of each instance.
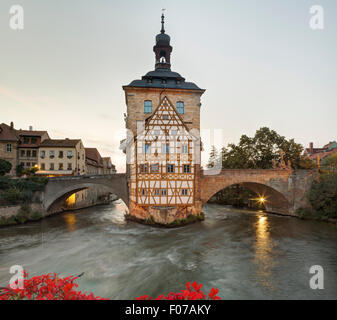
(319, 154)
(28, 148)
(108, 167)
(9, 141)
(93, 161)
(58, 157)
(163, 144)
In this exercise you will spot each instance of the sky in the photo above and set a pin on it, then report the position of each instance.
(260, 62)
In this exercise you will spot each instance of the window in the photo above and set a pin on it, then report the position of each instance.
(180, 107)
(34, 153)
(184, 192)
(70, 166)
(33, 164)
(165, 117)
(9, 147)
(28, 164)
(147, 148)
(69, 154)
(166, 148)
(25, 140)
(60, 154)
(34, 140)
(170, 168)
(157, 192)
(51, 167)
(184, 149)
(147, 106)
(51, 154)
(43, 166)
(173, 132)
(163, 192)
(42, 154)
(61, 166)
(143, 168)
(22, 153)
(156, 132)
(22, 164)
(187, 168)
(28, 153)
(155, 168)
(143, 192)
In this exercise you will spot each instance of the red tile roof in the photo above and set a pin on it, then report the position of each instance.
(68, 143)
(7, 133)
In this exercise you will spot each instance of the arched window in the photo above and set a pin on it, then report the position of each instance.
(147, 106)
(180, 107)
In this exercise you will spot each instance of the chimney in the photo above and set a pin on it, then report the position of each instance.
(12, 125)
(311, 147)
(30, 128)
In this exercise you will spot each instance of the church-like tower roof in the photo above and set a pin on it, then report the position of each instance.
(162, 76)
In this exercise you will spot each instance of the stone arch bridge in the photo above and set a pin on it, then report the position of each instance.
(284, 190)
(60, 188)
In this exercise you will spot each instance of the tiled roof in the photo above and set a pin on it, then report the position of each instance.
(60, 143)
(33, 133)
(7, 133)
(93, 154)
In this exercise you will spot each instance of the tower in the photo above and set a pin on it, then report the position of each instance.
(163, 144)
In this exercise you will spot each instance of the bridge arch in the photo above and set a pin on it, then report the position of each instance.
(271, 184)
(62, 187)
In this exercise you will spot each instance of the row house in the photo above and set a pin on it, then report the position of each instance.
(61, 157)
(319, 154)
(9, 145)
(28, 148)
(93, 161)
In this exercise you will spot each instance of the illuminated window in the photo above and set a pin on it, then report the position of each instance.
(147, 106)
(180, 107)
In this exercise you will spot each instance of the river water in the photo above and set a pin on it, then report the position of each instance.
(247, 255)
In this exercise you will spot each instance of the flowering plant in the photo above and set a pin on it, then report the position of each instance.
(46, 287)
(190, 293)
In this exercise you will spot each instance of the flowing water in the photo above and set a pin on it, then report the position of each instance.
(247, 255)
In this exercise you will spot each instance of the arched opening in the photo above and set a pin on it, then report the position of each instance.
(82, 196)
(251, 195)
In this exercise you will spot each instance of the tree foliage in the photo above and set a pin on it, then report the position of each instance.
(330, 163)
(5, 167)
(260, 151)
(323, 196)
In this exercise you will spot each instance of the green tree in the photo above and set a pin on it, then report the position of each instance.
(330, 163)
(19, 170)
(5, 167)
(323, 196)
(260, 151)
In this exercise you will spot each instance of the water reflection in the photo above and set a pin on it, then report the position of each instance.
(263, 256)
(70, 220)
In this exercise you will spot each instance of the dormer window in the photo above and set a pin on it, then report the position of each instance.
(147, 106)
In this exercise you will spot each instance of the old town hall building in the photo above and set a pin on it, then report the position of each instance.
(163, 145)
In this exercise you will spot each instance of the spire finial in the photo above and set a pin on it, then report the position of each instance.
(162, 21)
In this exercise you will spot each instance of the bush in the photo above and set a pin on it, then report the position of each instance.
(36, 215)
(323, 196)
(5, 167)
(24, 213)
(13, 195)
